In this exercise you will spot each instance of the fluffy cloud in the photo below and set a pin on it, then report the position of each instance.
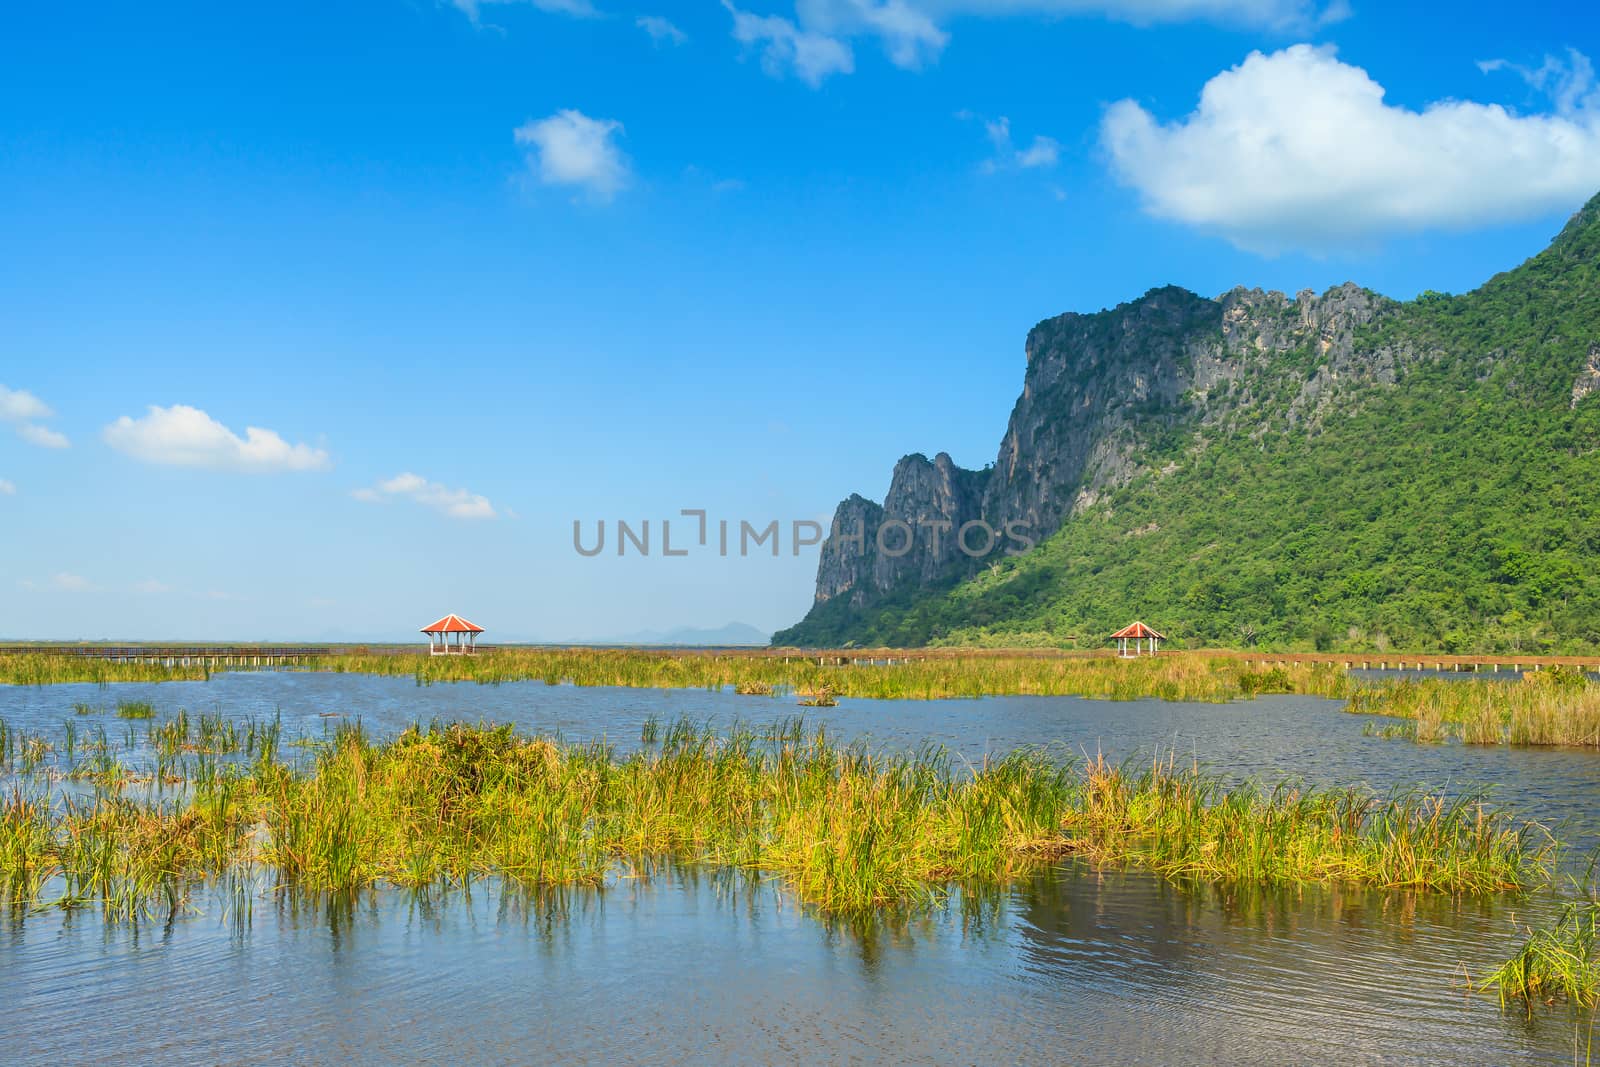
(21, 410)
(182, 436)
(816, 42)
(7, 488)
(19, 405)
(42, 436)
(784, 46)
(456, 503)
(661, 30)
(570, 148)
(1299, 150)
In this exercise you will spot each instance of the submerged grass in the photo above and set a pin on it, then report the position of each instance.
(1557, 962)
(850, 830)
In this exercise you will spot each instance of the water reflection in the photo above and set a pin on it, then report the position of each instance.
(678, 965)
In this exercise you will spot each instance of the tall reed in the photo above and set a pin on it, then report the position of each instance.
(46, 668)
(1557, 961)
(1175, 676)
(850, 829)
(1548, 707)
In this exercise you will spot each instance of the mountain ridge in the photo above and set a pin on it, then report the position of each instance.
(1125, 411)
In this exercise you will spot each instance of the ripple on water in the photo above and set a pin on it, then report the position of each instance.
(1073, 966)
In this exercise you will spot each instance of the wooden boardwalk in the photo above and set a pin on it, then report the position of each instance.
(1411, 661)
(181, 655)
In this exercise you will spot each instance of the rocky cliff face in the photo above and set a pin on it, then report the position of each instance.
(911, 538)
(1104, 397)
(1315, 471)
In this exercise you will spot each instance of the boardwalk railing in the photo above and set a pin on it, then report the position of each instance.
(180, 655)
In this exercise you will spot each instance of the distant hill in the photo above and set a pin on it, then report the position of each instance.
(1342, 471)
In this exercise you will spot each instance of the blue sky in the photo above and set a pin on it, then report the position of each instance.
(477, 270)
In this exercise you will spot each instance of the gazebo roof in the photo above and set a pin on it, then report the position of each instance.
(452, 624)
(1138, 631)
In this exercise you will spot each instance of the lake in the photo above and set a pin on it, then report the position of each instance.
(1071, 965)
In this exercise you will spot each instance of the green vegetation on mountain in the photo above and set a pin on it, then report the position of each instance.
(1453, 505)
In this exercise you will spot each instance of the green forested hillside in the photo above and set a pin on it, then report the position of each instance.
(1457, 509)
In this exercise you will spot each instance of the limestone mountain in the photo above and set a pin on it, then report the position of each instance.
(1340, 469)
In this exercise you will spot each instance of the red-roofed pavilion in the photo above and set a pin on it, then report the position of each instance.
(1136, 632)
(439, 643)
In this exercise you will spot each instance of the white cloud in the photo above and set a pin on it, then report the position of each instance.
(71, 583)
(1256, 14)
(20, 409)
(183, 436)
(456, 503)
(570, 148)
(42, 436)
(784, 46)
(1569, 83)
(1043, 152)
(816, 42)
(906, 28)
(19, 405)
(576, 8)
(661, 30)
(7, 488)
(152, 587)
(1299, 150)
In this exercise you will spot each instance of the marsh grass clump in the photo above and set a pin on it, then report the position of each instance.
(851, 830)
(1184, 823)
(1272, 680)
(47, 668)
(1556, 706)
(100, 768)
(929, 675)
(136, 709)
(1557, 962)
(755, 688)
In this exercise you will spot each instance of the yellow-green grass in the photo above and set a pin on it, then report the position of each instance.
(849, 830)
(1558, 706)
(1174, 676)
(1178, 676)
(45, 668)
(1558, 961)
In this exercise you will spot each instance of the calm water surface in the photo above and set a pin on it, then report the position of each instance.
(1072, 966)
